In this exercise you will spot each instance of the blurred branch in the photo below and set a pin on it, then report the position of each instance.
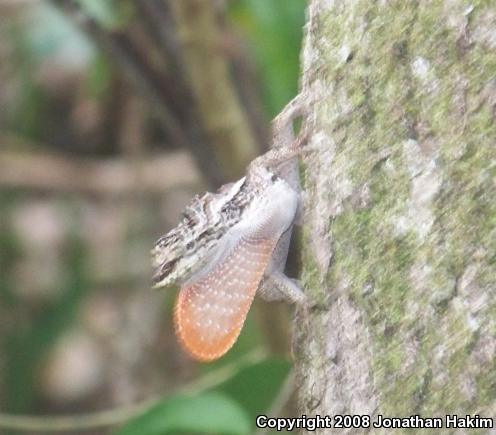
(183, 125)
(204, 39)
(191, 38)
(120, 415)
(72, 423)
(46, 172)
(248, 88)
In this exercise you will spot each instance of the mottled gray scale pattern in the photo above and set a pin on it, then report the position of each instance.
(205, 221)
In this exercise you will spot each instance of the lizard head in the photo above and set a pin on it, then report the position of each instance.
(173, 255)
(183, 250)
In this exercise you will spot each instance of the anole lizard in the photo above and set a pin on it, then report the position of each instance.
(232, 243)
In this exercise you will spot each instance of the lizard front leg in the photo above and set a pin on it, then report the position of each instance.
(276, 285)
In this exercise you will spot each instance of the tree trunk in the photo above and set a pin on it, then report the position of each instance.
(399, 237)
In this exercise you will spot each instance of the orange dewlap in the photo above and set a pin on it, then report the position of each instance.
(210, 312)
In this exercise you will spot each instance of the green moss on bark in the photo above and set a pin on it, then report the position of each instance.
(410, 117)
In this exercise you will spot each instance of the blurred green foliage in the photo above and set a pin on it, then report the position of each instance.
(256, 386)
(206, 413)
(231, 408)
(110, 13)
(28, 343)
(44, 33)
(273, 29)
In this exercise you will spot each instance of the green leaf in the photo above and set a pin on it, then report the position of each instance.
(205, 413)
(257, 385)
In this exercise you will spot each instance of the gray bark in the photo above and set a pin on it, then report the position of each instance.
(399, 239)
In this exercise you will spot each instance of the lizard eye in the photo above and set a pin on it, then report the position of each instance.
(163, 270)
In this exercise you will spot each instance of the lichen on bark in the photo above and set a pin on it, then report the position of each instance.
(400, 227)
